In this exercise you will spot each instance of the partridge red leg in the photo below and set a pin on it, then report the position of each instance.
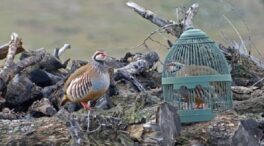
(88, 108)
(86, 105)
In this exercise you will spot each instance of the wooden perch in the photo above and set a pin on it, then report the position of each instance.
(172, 27)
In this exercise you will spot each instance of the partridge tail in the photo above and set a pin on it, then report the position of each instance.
(64, 100)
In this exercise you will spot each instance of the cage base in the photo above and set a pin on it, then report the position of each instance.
(199, 115)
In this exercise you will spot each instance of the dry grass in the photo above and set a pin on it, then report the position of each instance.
(108, 24)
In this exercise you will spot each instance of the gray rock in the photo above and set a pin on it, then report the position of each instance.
(228, 130)
(247, 134)
(253, 105)
(71, 107)
(221, 129)
(241, 97)
(43, 106)
(169, 122)
(257, 93)
(20, 92)
(242, 89)
(104, 102)
(152, 134)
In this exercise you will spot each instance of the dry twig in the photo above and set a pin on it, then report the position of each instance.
(149, 37)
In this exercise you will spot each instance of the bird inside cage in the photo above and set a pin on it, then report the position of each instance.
(173, 67)
(199, 93)
(184, 70)
(196, 63)
(197, 98)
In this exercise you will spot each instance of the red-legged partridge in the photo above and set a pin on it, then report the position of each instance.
(89, 82)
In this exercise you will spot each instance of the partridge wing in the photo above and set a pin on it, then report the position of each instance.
(78, 73)
(79, 84)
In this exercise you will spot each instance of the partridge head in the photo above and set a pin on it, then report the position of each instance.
(89, 82)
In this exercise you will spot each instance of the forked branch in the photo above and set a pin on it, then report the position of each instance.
(190, 13)
(175, 28)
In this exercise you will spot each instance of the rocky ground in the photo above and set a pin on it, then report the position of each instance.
(136, 114)
(133, 121)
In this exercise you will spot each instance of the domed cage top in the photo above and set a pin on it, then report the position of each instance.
(196, 77)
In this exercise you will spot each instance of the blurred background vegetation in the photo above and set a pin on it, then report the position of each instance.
(89, 25)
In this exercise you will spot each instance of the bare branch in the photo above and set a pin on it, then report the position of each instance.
(10, 69)
(127, 76)
(174, 29)
(64, 48)
(4, 50)
(14, 44)
(30, 60)
(143, 63)
(190, 13)
(58, 52)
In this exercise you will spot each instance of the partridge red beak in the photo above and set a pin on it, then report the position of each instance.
(104, 54)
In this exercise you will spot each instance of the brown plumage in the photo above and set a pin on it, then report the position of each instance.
(182, 70)
(89, 82)
(198, 96)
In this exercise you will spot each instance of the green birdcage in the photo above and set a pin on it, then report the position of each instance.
(196, 77)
